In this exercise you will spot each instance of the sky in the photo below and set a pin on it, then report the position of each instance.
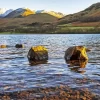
(64, 6)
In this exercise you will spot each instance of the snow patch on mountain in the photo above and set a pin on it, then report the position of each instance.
(7, 12)
(4, 12)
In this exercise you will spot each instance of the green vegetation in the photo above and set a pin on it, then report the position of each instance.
(76, 29)
(52, 29)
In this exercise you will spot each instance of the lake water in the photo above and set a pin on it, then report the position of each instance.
(17, 74)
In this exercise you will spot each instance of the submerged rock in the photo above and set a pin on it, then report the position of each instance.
(76, 53)
(37, 54)
(77, 66)
(19, 46)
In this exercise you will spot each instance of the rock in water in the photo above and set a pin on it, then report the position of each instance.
(3, 46)
(37, 54)
(75, 65)
(19, 46)
(76, 53)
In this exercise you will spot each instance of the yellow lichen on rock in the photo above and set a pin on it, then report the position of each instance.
(39, 48)
(37, 54)
(3, 46)
(83, 54)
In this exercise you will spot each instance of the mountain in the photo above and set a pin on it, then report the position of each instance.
(27, 21)
(23, 12)
(6, 13)
(2, 11)
(90, 14)
(53, 13)
(41, 17)
(20, 12)
(56, 14)
(40, 11)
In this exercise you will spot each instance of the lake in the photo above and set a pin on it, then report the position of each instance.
(16, 74)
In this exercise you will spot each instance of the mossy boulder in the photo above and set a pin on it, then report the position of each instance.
(76, 53)
(38, 54)
(19, 46)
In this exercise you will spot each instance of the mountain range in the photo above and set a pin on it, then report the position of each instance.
(23, 12)
(26, 20)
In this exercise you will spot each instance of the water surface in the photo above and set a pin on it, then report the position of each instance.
(17, 74)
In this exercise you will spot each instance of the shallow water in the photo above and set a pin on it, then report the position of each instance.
(17, 74)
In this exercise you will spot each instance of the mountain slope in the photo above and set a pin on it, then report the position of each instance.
(91, 14)
(42, 17)
(2, 10)
(20, 12)
(53, 13)
(40, 11)
(7, 12)
(25, 21)
(56, 14)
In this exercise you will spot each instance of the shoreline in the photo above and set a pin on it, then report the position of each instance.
(53, 93)
(50, 33)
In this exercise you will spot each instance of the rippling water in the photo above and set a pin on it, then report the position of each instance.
(17, 74)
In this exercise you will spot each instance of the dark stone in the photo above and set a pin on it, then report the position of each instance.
(19, 46)
(37, 54)
(76, 53)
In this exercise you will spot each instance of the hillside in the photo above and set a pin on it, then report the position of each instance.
(56, 14)
(35, 22)
(90, 14)
(40, 18)
(4, 12)
(53, 13)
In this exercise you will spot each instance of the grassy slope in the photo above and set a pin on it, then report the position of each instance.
(85, 21)
(91, 14)
(41, 18)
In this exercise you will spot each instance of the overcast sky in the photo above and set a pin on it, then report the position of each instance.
(64, 6)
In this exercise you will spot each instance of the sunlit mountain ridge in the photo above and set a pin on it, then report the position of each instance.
(23, 12)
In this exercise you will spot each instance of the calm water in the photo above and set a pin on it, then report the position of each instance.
(17, 74)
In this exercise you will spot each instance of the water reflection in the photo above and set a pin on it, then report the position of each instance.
(32, 63)
(77, 66)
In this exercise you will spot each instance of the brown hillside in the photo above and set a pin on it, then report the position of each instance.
(19, 22)
(91, 14)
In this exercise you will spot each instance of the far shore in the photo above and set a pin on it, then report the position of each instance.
(50, 33)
